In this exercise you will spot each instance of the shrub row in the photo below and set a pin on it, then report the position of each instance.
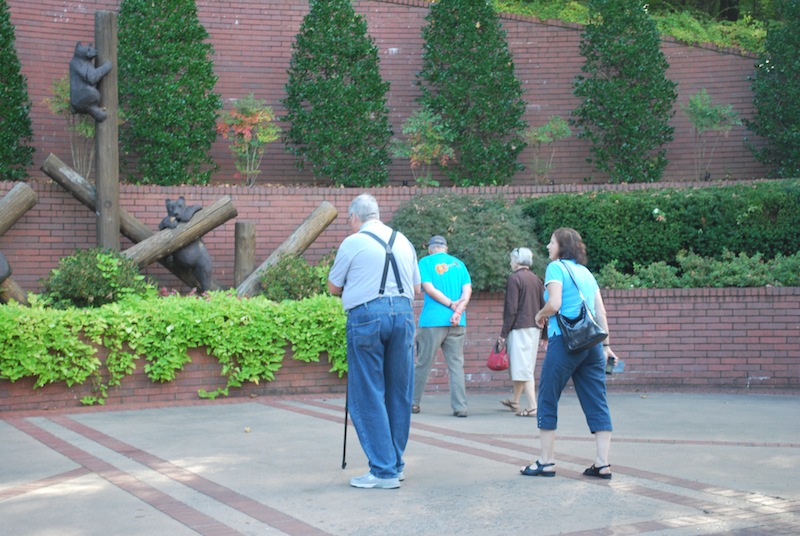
(648, 226)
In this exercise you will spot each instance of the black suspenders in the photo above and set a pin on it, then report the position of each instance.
(389, 259)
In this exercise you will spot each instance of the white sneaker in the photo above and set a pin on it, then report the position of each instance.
(369, 481)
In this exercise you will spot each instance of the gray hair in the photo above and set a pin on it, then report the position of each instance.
(365, 207)
(522, 256)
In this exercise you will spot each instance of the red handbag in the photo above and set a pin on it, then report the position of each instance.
(498, 358)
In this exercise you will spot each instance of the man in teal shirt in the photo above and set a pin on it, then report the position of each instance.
(442, 322)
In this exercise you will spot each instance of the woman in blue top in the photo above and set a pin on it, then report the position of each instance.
(586, 368)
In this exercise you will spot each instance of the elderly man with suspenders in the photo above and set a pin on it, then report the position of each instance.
(376, 273)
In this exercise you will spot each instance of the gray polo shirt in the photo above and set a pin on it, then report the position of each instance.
(358, 267)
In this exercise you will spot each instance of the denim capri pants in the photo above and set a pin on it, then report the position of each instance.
(587, 370)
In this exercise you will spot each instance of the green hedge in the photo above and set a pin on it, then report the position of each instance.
(654, 225)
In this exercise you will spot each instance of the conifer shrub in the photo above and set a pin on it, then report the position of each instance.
(467, 79)
(626, 98)
(166, 83)
(776, 90)
(336, 103)
(16, 133)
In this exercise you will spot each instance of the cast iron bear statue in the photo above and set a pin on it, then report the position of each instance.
(84, 97)
(195, 256)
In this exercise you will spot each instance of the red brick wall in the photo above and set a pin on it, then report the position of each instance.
(743, 340)
(202, 373)
(58, 224)
(704, 339)
(253, 40)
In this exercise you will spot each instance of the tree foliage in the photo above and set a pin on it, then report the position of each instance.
(776, 90)
(626, 98)
(467, 78)
(482, 232)
(15, 123)
(336, 98)
(166, 82)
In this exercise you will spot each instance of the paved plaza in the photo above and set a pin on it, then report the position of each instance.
(684, 464)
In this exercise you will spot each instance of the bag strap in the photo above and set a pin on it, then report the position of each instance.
(573, 280)
(389, 260)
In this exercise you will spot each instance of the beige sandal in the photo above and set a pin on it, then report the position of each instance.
(527, 413)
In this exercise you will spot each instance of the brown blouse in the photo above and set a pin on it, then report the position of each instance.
(524, 298)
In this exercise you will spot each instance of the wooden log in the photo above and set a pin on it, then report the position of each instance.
(107, 134)
(296, 244)
(167, 241)
(19, 200)
(244, 258)
(84, 191)
(10, 290)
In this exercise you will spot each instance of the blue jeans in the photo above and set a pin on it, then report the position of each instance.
(380, 360)
(587, 370)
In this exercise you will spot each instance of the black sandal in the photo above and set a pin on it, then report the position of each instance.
(595, 471)
(538, 471)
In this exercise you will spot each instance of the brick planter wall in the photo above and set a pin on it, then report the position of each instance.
(743, 340)
(203, 372)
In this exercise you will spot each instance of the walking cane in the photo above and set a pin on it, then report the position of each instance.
(344, 445)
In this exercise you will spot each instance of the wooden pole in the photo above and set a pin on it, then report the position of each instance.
(107, 134)
(19, 200)
(131, 227)
(296, 244)
(10, 290)
(168, 241)
(244, 258)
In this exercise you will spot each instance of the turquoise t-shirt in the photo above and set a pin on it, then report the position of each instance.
(448, 274)
(570, 298)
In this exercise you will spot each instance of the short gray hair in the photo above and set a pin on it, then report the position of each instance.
(365, 206)
(522, 256)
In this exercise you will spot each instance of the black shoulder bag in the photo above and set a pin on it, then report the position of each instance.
(583, 331)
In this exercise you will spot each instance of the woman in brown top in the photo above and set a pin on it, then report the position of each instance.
(524, 298)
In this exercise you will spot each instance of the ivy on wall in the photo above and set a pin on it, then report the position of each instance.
(249, 337)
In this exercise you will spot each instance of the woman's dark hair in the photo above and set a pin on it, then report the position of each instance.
(570, 245)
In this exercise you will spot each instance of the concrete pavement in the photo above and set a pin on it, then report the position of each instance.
(684, 464)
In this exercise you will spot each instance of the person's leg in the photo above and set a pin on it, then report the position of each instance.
(556, 371)
(530, 394)
(589, 380)
(547, 453)
(603, 441)
(520, 366)
(530, 387)
(557, 368)
(367, 388)
(399, 375)
(453, 350)
(516, 393)
(428, 341)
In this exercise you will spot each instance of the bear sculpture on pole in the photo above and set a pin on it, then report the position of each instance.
(84, 97)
